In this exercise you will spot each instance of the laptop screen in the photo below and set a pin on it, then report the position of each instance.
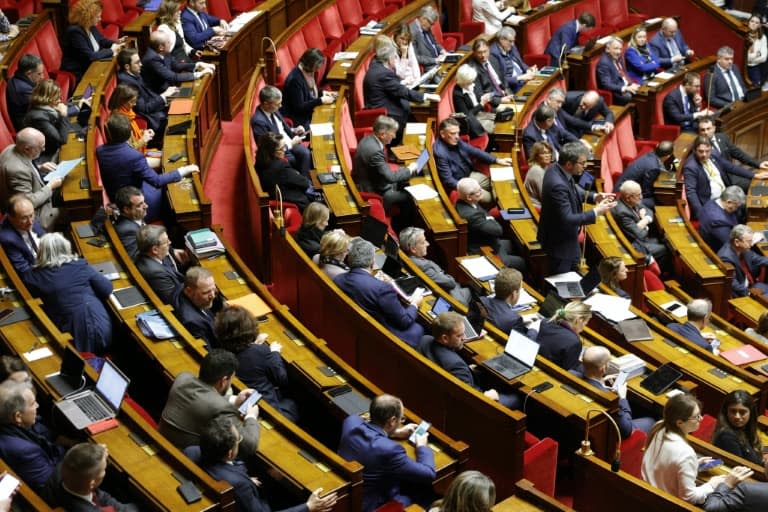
(72, 366)
(373, 230)
(522, 348)
(112, 384)
(440, 306)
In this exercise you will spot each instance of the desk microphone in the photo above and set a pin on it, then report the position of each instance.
(586, 449)
(278, 213)
(274, 50)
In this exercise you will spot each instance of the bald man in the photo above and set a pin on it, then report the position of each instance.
(668, 44)
(636, 222)
(585, 111)
(160, 69)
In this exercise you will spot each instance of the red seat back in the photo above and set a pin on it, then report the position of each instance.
(46, 38)
(559, 18)
(706, 428)
(5, 118)
(220, 9)
(313, 34)
(296, 47)
(537, 35)
(330, 20)
(6, 137)
(353, 13)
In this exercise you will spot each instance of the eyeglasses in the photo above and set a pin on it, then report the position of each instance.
(696, 417)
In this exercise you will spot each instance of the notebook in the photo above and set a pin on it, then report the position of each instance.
(635, 329)
(422, 161)
(91, 406)
(441, 305)
(183, 92)
(70, 377)
(518, 358)
(661, 379)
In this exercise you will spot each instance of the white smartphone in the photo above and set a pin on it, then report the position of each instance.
(621, 379)
(420, 430)
(255, 397)
(8, 484)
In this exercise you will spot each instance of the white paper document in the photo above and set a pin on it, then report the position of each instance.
(612, 307)
(416, 129)
(502, 174)
(421, 192)
(525, 298)
(321, 129)
(345, 55)
(568, 277)
(676, 308)
(664, 75)
(479, 267)
(64, 168)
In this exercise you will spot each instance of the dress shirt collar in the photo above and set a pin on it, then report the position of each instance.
(86, 497)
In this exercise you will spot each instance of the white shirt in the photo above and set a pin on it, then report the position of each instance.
(758, 52)
(488, 12)
(407, 68)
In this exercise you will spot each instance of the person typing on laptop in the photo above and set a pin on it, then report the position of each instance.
(442, 348)
(501, 307)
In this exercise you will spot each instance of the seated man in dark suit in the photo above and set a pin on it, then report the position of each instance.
(414, 244)
(193, 402)
(516, 72)
(429, 53)
(669, 46)
(198, 26)
(723, 84)
(491, 78)
(29, 71)
(377, 298)
(501, 307)
(150, 105)
(455, 159)
(747, 264)
(19, 234)
(646, 168)
(482, 228)
(682, 105)
(387, 468)
(155, 263)
(636, 222)
(585, 111)
(595, 362)
(160, 69)
(611, 73)
(567, 36)
(196, 306)
(382, 89)
(217, 455)
(543, 128)
(724, 148)
(442, 348)
(81, 472)
(718, 217)
(699, 311)
(267, 118)
(706, 175)
(133, 209)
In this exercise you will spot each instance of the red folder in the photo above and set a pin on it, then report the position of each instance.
(744, 354)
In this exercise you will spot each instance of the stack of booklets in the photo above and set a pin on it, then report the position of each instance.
(203, 242)
(153, 325)
(372, 28)
(628, 363)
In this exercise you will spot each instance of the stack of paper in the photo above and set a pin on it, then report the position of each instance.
(240, 21)
(345, 55)
(421, 192)
(612, 307)
(64, 168)
(502, 174)
(480, 268)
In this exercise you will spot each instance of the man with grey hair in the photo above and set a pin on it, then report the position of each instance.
(160, 69)
(636, 222)
(155, 264)
(195, 304)
(429, 53)
(746, 263)
(414, 244)
(595, 362)
(19, 174)
(717, 217)
(584, 112)
(377, 298)
(382, 89)
(723, 84)
(646, 168)
(699, 311)
(543, 127)
(267, 118)
(516, 72)
(611, 73)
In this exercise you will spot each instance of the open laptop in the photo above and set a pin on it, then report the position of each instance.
(578, 289)
(373, 230)
(91, 406)
(70, 377)
(441, 305)
(518, 358)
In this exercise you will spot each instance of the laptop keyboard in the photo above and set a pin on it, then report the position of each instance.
(91, 407)
(574, 288)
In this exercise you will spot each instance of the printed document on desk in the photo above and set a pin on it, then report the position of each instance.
(502, 174)
(421, 192)
(64, 168)
(612, 307)
(480, 268)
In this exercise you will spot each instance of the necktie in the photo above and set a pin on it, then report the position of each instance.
(674, 51)
(734, 86)
(32, 243)
(429, 38)
(715, 145)
(686, 104)
(492, 76)
(203, 24)
(747, 274)
(623, 74)
(516, 67)
(714, 178)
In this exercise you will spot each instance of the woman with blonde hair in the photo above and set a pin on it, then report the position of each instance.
(334, 246)
(559, 336)
(83, 42)
(642, 62)
(470, 491)
(48, 115)
(168, 21)
(313, 223)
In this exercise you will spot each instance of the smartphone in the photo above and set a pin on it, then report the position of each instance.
(711, 464)
(621, 379)
(8, 484)
(177, 156)
(255, 397)
(673, 307)
(420, 430)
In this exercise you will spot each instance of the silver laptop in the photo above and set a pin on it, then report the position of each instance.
(88, 407)
(441, 305)
(518, 358)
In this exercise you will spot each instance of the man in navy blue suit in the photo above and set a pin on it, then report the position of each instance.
(199, 26)
(723, 84)
(646, 168)
(699, 311)
(562, 215)
(586, 111)
(722, 145)
(386, 465)
(682, 106)
(746, 263)
(491, 74)
(160, 69)
(377, 298)
(543, 128)
(669, 46)
(149, 104)
(611, 73)
(516, 72)
(719, 216)
(194, 304)
(267, 118)
(567, 36)
(20, 232)
(501, 306)
(217, 455)
(29, 71)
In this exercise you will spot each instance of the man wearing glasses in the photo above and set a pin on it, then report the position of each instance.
(155, 263)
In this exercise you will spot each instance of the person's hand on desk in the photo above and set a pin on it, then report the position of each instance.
(689, 53)
(404, 432)
(413, 168)
(55, 183)
(761, 175)
(252, 411)
(631, 88)
(275, 346)
(735, 476)
(677, 58)
(429, 96)
(220, 30)
(441, 58)
(61, 108)
(327, 98)
(188, 169)
(504, 161)
(116, 47)
(486, 98)
(169, 92)
(299, 130)
(223, 24)
(13, 31)
(417, 297)
(764, 165)
(47, 167)
(757, 238)
(148, 135)
(317, 504)
(606, 127)
(492, 394)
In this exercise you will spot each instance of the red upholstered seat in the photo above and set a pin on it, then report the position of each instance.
(5, 118)
(16, 9)
(632, 453)
(291, 215)
(296, 46)
(353, 13)
(6, 136)
(133, 404)
(706, 428)
(377, 9)
(470, 29)
(330, 20)
(220, 9)
(540, 462)
(616, 14)
(313, 34)
(651, 281)
(391, 506)
(537, 34)
(239, 6)
(46, 38)
(449, 40)
(113, 12)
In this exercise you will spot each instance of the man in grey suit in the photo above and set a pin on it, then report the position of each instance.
(19, 174)
(414, 244)
(429, 53)
(133, 209)
(194, 401)
(636, 222)
(155, 263)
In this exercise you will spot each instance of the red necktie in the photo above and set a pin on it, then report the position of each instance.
(495, 82)
(745, 268)
(621, 71)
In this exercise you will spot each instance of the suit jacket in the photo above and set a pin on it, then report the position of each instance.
(371, 171)
(52, 125)
(501, 314)
(381, 301)
(508, 60)
(16, 248)
(191, 405)
(608, 77)
(739, 287)
(728, 440)
(659, 45)
(78, 52)
(566, 36)
(555, 135)
(293, 185)
(160, 72)
(718, 93)
(149, 104)
(715, 224)
(195, 34)
(482, 228)
(31, 453)
(17, 99)
(674, 110)
(457, 162)
(627, 218)
(462, 103)
(261, 124)
(382, 88)
(643, 170)
(263, 370)
(423, 44)
(561, 214)
(165, 280)
(559, 344)
(730, 151)
(386, 465)
(60, 497)
(447, 359)
(435, 273)
(199, 323)
(127, 230)
(696, 180)
(483, 83)
(298, 99)
(578, 121)
(641, 66)
(308, 238)
(18, 174)
(691, 333)
(624, 416)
